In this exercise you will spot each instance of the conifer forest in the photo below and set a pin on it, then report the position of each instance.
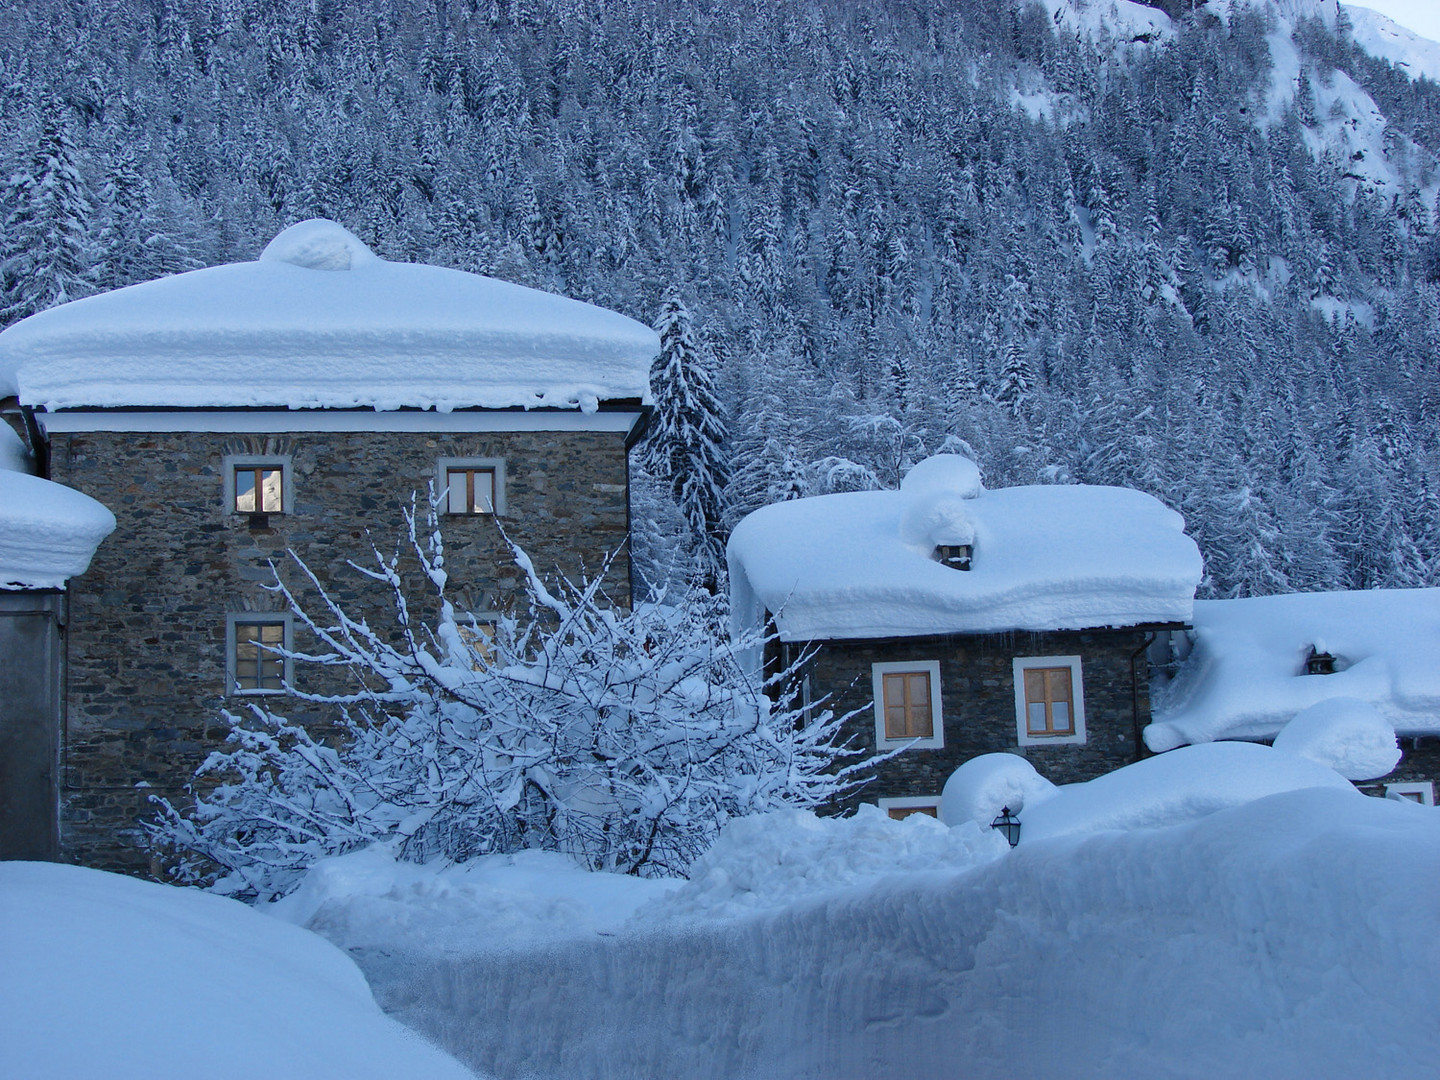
(871, 231)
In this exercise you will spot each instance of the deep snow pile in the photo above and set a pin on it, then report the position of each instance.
(105, 976)
(985, 786)
(1245, 676)
(48, 532)
(1344, 734)
(859, 564)
(1293, 936)
(372, 333)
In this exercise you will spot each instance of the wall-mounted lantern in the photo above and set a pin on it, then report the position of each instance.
(1008, 826)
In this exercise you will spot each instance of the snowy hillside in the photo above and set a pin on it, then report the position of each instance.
(1382, 36)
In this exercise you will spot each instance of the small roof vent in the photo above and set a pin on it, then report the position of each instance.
(955, 556)
(1319, 662)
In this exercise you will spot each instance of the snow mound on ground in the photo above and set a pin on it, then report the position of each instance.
(983, 786)
(366, 899)
(1344, 734)
(48, 532)
(318, 244)
(1183, 785)
(767, 862)
(1297, 936)
(105, 976)
(951, 474)
(13, 455)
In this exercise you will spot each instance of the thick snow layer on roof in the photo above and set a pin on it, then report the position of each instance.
(1344, 734)
(105, 976)
(1245, 676)
(855, 565)
(321, 322)
(48, 532)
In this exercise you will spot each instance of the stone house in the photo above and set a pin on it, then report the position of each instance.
(955, 621)
(299, 403)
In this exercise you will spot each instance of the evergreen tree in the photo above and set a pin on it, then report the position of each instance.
(686, 442)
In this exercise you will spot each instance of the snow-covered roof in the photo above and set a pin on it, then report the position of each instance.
(48, 532)
(859, 564)
(1245, 676)
(319, 321)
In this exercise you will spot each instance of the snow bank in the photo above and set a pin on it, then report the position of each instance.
(983, 786)
(1296, 936)
(48, 532)
(1344, 734)
(858, 564)
(1244, 677)
(106, 976)
(320, 321)
(368, 900)
(1183, 785)
(767, 862)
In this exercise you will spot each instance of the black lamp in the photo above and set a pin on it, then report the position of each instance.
(1007, 824)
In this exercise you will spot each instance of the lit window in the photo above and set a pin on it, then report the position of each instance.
(257, 484)
(480, 637)
(256, 664)
(901, 808)
(907, 704)
(472, 485)
(1049, 700)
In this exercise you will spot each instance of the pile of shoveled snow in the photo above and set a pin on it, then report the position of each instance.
(1295, 936)
(106, 976)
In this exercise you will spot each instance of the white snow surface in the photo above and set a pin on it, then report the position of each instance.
(1183, 785)
(1244, 677)
(105, 976)
(1381, 36)
(985, 785)
(855, 565)
(48, 532)
(1119, 21)
(1344, 734)
(368, 899)
(319, 321)
(1295, 936)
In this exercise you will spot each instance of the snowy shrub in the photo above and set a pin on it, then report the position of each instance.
(624, 739)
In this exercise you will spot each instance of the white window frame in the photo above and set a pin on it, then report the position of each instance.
(877, 684)
(442, 481)
(911, 802)
(1424, 788)
(1077, 686)
(252, 618)
(282, 462)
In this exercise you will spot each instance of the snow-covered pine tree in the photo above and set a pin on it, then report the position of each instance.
(49, 254)
(687, 435)
(624, 738)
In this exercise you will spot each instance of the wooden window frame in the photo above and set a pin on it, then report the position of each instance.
(235, 620)
(936, 740)
(1405, 788)
(914, 804)
(494, 466)
(1025, 737)
(234, 463)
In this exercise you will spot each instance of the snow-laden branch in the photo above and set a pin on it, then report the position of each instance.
(623, 738)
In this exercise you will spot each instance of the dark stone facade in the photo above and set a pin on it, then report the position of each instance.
(147, 665)
(977, 691)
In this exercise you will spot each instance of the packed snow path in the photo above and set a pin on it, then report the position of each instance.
(1296, 936)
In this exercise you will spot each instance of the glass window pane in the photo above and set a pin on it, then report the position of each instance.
(1036, 718)
(270, 491)
(1060, 714)
(921, 725)
(244, 490)
(484, 492)
(456, 495)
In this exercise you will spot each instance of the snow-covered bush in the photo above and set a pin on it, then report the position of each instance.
(625, 739)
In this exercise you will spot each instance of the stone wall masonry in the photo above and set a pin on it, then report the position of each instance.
(977, 689)
(147, 664)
